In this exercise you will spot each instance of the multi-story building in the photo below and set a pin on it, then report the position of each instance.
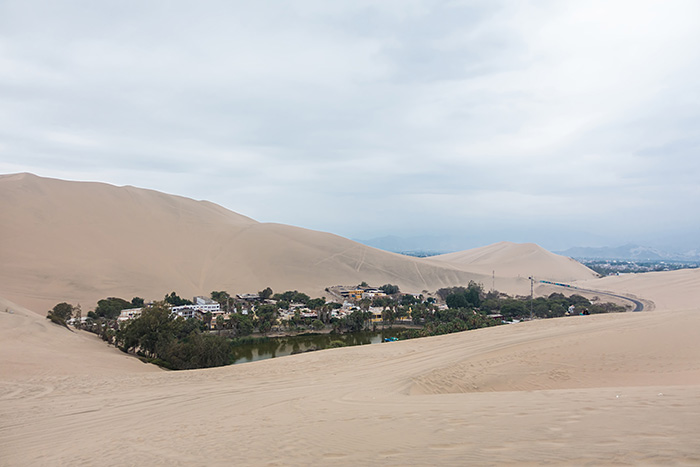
(198, 309)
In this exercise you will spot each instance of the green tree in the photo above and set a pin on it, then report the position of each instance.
(154, 329)
(60, 313)
(512, 308)
(266, 317)
(316, 303)
(242, 325)
(222, 298)
(300, 297)
(365, 304)
(388, 316)
(172, 341)
(356, 320)
(408, 299)
(175, 300)
(77, 317)
(473, 295)
(389, 289)
(111, 307)
(460, 297)
(265, 293)
(457, 300)
(418, 313)
(382, 301)
(401, 313)
(137, 302)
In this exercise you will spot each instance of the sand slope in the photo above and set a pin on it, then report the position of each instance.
(668, 290)
(507, 259)
(32, 346)
(576, 390)
(79, 242)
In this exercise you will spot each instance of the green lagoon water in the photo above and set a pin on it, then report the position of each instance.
(281, 346)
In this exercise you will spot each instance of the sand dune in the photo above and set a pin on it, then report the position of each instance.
(32, 346)
(80, 242)
(507, 259)
(668, 290)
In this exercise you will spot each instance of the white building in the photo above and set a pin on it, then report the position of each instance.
(198, 309)
(206, 305)
(187, 311)
(131, 313)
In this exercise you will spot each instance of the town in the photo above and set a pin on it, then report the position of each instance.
(215, 311)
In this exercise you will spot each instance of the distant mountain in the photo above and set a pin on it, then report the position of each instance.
(630, 252)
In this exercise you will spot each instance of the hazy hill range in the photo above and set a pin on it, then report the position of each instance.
(630, 252)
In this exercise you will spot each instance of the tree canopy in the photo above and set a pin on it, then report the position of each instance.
(265, 293)
(389, 289)
(175, 300)
(61, 313)
(111, 307)
(172, 341)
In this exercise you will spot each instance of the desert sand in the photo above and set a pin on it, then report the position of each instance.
(605, 389)
(507, 259)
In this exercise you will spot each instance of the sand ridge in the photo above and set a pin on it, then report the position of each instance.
(508, 259)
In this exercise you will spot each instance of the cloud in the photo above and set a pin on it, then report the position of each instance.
(457, 112)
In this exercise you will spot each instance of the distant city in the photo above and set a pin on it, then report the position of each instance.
(611, 267)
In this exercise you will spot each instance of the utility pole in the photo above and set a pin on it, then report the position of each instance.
(532, 293)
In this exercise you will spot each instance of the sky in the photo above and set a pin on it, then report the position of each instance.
(563, 123)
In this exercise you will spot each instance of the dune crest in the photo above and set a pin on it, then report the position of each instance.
(79, 242)
(513, 260)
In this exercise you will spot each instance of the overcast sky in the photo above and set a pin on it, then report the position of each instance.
(562, 123)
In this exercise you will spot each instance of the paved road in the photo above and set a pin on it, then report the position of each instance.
(638, 306)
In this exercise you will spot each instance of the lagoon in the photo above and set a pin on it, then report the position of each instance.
(273, 347)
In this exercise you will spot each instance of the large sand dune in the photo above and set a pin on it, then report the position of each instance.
(80, 242)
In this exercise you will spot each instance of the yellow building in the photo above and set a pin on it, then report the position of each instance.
(353, 294)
